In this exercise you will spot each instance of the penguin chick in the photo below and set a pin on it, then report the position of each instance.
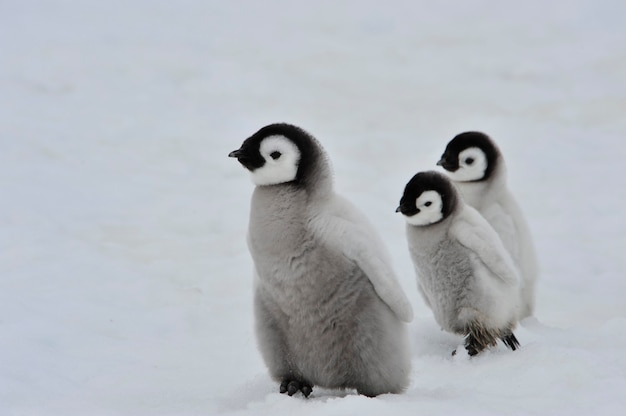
(464, 273)
(476, 165)
(329, 310)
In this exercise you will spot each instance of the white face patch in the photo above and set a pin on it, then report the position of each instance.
(472, 165)
(430, 206)
(282, 157)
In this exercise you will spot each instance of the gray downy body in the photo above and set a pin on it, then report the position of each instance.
(318, 318)
(459, 299)
(444, 273)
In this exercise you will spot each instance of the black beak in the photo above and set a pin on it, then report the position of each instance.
(447, 165)
(235, 153)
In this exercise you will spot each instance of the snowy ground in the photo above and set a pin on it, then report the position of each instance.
(125, 282)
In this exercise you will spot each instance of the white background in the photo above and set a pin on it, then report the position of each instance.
(125, 281)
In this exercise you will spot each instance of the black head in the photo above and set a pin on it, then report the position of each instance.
(279, 153)
(470, 157)
(428, 198)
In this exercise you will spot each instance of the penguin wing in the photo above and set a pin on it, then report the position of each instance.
(524, 253)
(474, 232)
(340, 225)
(502, 222)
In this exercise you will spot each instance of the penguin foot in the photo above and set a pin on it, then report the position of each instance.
(479, 338)
(510, 341)
(291, 387)
(472, 346)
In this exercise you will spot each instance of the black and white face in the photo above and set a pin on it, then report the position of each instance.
(428, 198)
(271, 157)
(469, 157)
(428, 208)
(280, 161)
(281, 157)
(472, 165)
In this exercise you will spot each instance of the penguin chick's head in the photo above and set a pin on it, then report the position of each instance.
(428, 198)
(278, 153)
(470, 157)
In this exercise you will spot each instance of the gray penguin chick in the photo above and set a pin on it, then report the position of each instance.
(329, 310)
(464, 273)
(476, 165)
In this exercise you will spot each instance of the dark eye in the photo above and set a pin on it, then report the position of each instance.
(469, 160)
(275, 155)
(427, 203)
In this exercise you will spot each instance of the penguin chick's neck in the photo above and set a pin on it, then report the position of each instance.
(278, 221)
(318, 180)
(476, 193)
(425, 239)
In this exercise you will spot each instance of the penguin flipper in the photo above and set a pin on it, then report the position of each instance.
(474, 232)
(344, 228)
(503, 223)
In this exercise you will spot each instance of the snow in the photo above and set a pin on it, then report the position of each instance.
(125, 281)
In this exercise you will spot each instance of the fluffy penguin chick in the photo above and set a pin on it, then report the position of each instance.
(464, 273)
(329, 310)
(476, 166)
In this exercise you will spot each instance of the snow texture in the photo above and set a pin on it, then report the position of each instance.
(125, 281)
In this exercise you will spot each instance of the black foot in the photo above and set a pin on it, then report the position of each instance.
(472, 346)
(291, 387)
(479, 338)
(510, 341)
